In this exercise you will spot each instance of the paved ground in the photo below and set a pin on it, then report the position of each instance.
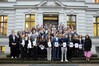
(48, 65)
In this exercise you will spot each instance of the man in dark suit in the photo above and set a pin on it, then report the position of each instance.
(13, 44)
(56, 41)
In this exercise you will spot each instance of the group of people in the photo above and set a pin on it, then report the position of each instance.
(49, 42)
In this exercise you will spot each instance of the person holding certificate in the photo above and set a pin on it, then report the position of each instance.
(35, 47)
(76, 46)
(81, 46)
(22, 46)
(69, 47)
(64, 47)
(26, 44)
(49, 48)
(56, 41)
(29, 48)
(42, 45)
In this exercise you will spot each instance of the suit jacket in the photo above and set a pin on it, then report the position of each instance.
(54, 40)
(11, 40)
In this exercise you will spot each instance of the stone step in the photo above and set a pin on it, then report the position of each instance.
(74, 58)
(83, 58)
(49, 62)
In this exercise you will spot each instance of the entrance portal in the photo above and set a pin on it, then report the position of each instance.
(50, 19)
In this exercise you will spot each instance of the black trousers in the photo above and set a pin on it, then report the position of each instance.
(69, 53)
(35, 53)
(13, 51)
(29, 53)
(18, 51)
(43, 54)
(23, 52)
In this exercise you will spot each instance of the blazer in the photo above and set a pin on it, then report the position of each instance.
(54, 40)
(11, 40)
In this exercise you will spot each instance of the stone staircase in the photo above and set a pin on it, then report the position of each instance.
(75, 60)
(78, 60)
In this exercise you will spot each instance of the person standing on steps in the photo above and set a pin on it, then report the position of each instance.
(64, 48)
(13, 44)
(56, 47)
(49, 48)
(87, 47)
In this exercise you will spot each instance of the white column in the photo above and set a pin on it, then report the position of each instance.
(81, 23)
(39, 19)
(62, 18)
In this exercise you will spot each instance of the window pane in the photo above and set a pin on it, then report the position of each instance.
(30, 21)
(32, 24)
(1, 18)
(1, 28)
(5, 25)
(5, 18)
(32, 17)
(5, 31)
(97, 19)
(94, 19)
(28, 18)
(74, 25)
(27, 25)
(68, 23)
(73, 18)
(94, 29)
(98, 29)
(71, 21)
(68, 18)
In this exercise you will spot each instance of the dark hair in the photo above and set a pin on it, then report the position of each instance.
(86, 37)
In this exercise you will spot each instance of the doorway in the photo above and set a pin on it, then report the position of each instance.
(50, 19)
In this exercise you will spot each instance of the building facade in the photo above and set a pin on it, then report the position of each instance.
(19, 15)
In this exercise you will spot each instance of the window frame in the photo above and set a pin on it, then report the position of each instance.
(30, 21)
(3, 28)
(96, 23)
(72, 22)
